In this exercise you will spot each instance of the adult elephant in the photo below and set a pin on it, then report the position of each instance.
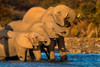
(17, 44)
(57, 16)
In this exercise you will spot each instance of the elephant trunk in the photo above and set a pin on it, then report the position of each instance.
(47, 41)
(65, 32)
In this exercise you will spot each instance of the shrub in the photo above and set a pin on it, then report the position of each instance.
(5, 15)
(87, 10)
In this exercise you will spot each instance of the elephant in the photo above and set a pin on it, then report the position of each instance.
(18, 44)
(51, 33)
(56, 16)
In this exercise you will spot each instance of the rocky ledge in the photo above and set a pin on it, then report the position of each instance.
(82, 45)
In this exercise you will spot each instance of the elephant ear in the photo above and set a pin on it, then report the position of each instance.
(72, 15)
(23, 41)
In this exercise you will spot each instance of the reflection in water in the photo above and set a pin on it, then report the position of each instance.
(74, 60)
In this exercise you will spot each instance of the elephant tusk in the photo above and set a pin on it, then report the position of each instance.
(66, 14)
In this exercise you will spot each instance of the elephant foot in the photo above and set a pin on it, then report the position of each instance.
(21, 58)
(52, 60)
(37, 55)
(2, 58)
(34, 60)
(29, 58)
(63, 58)
(52, 56)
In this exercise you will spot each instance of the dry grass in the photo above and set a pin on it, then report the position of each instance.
(85, 29)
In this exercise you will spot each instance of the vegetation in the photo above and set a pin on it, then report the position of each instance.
(5, 15)
(88, 21)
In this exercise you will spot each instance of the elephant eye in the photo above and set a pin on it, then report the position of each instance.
(59, 12)
(36, 37)
(52, 28)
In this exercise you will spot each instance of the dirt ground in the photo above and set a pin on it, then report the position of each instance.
(82, 45)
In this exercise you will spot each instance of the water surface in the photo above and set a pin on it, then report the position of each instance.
(74, 60)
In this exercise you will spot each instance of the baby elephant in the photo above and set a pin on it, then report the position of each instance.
(18, 44)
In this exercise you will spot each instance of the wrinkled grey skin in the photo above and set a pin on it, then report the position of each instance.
(18, 44)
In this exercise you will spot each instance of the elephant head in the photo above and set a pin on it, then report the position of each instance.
(39, 38)
(63, 15)
(59, 15)
(56, 19)
(28, 40)
(54, 30)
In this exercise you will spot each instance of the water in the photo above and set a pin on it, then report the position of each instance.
(74, 60)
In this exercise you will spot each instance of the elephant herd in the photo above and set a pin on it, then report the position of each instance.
(40, 30)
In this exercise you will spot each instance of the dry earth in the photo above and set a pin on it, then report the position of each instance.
(82, 45)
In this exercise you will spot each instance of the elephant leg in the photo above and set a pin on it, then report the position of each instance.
(62, 48)
(37, 53)
(21, 52)
(31, 54)
(45, 49)
(51, 49)
(28, 56)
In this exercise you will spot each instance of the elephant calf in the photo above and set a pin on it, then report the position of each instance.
(18, 44)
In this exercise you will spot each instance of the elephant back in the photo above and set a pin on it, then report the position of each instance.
(33, 14)
(13, 25)
(18, 26)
